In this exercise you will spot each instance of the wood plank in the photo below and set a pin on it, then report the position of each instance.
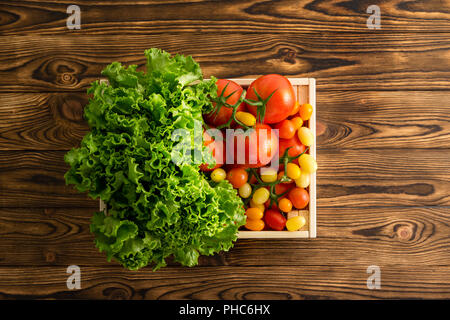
(346, 236)
(315, 282)
(33, 179)
(345, 120)
(339, 61)
(149, 16)
(42, 121)
(359, 178)
(377, 119)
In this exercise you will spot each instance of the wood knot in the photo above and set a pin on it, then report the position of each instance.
(49, 211)
(50, 256)
(288, 55)
(117, 294)
(66, 79)
(404, 233)
(60, 71)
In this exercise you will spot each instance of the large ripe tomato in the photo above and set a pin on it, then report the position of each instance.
(274, 219)
(259, 148)
(280, 105)
(295, 143)
(217, 150)
(220, 118)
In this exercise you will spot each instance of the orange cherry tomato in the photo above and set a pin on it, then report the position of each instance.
(237, 177)
(297, 122)
(254, 213)
(299, 197)
(285, 205)
(254, 225)
(286, 129)
(305, 111)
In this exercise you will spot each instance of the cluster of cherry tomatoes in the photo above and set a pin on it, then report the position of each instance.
(270, 195)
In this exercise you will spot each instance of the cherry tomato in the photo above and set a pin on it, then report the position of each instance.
(254, 225)
(219, 118)
(218, 175)
(299, 197)
(283, 187)
(306, 111)
(286, 129)
(216, 148)
(258, 148)
(237, 177)
(254, 213)
(285, 205)
(297, 122)
(295, 143)
(280, 105)
(275, 220)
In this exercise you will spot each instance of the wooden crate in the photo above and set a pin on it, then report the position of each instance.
(305, 90)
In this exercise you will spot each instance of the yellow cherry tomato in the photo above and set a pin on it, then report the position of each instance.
(293, 171)
(285, 205)
(261, 195)
(295, 223)
(297, 122)
(303, 181)
(306, 111)
(218, 175)
(246, 118)
(307, 163)
(254, 213)
(245, 190)
(254, 205)
(306, 136)
(254, 225)
(268, 175)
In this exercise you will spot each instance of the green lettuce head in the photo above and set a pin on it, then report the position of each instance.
(156, 208)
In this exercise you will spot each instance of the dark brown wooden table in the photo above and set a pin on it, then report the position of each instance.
(383, 106)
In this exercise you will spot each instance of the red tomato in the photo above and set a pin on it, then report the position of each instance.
(274, 219)
(299, 197)
(294, 142)
(258, 148)
(237, 177)
(220, 118)
(216, 148)
(283, 187)
(280, 105)
(286, 129)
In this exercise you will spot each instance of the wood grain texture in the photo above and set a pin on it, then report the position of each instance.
(293, 282)
(380, 236)
(143, 17)
(355, 178)
(339, 61)
(346, 120)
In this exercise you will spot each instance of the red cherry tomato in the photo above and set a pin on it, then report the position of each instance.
(258, 148)
(283, 187)
(220, 118)
(280, 105)
(299, 197)
(217, 150)
(274, 219)
(237, 177)
(294, 142)
(286, 129)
